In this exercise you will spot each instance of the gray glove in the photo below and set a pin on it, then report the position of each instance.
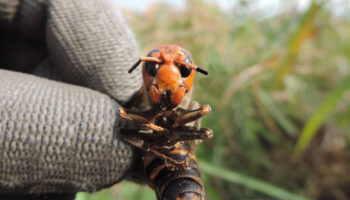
(55, 136)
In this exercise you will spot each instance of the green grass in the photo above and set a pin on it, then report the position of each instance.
(319, 116)
(249, 182)
(125, 190)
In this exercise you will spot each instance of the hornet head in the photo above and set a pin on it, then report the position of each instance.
(168, 72)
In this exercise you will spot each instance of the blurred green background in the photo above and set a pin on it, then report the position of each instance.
(279, 86)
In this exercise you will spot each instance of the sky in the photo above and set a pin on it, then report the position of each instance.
(339, 7)
(138, 5)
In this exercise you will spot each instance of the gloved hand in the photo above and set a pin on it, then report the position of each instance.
(55, 136)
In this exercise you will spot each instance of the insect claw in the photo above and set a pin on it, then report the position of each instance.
(193, 115)
(208, 133)
(139, 120)
(206, 108)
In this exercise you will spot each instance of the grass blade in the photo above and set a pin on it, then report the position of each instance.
(81, 196)
(318, 117)
(276, 113)
(305, 31)
(248, 182)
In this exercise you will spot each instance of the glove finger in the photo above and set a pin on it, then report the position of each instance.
(90, 45)
(57, 137)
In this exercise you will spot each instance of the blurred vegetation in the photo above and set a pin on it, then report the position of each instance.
(279, 87)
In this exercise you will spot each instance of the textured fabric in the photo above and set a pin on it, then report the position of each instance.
(26, 17)
(57, 137)
(88, 43)
(8, 10)
(30, 18)
(49, 196)
(22, 34)
(81, 42)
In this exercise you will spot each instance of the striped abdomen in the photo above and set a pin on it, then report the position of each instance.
(172, 181)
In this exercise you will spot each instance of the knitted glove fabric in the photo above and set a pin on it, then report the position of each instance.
(55, 136)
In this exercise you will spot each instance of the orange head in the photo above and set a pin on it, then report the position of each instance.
(168, 72)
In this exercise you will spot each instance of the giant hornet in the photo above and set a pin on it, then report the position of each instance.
(168, 131)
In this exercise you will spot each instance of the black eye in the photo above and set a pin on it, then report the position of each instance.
(185, 70)
(151, 68)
